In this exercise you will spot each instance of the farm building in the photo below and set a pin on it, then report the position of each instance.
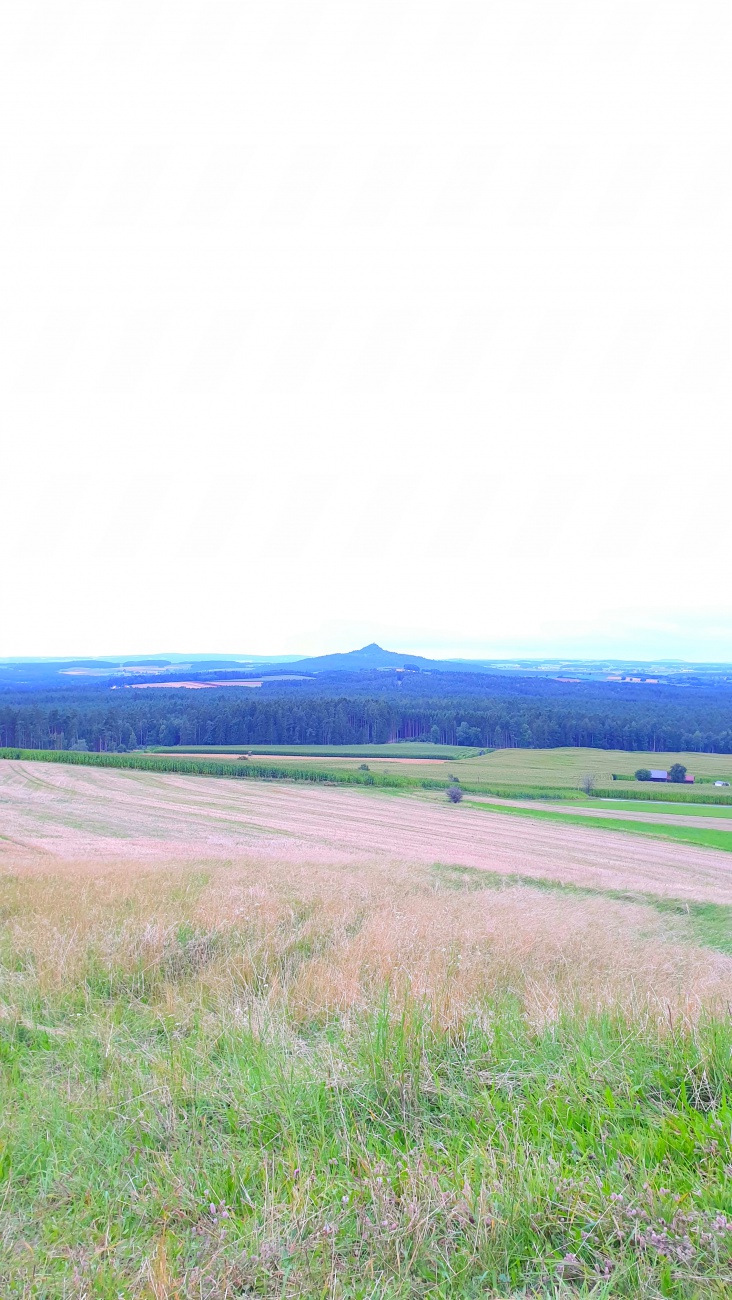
(660, 774)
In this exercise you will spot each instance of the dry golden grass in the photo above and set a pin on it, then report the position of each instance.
(311, 942)
(310, 900)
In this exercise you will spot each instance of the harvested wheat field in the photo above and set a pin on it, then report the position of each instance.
(91, 814)
(272, 1040)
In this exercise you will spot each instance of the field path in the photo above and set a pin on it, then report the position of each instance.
(96, 815)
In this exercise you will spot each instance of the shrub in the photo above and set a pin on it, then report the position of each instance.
(363, 767)
(469, 735)
(454, 794)
(643, 774)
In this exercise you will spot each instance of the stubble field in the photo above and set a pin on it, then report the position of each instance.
(260, 1039)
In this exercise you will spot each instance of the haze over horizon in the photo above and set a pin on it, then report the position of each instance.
(289, 657)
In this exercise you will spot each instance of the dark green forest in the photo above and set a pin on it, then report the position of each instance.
(365, 708)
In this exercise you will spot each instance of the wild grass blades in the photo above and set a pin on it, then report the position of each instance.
(245, 1079)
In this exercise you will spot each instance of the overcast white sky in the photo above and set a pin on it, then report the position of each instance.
(324, 322)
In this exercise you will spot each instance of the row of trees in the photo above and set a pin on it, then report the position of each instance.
(99, 721)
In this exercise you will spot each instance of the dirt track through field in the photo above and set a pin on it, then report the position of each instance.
(50, 812)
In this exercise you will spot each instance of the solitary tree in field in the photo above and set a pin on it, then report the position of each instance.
(643, 774)
(677, 772)
(588, 783)
(454, 794)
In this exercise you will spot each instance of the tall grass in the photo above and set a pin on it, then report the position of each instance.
(224, 1083)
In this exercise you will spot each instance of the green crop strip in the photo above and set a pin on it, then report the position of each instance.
(666, 808)
(652, 794)
(246, 770)
(697, 835)
(208, 767)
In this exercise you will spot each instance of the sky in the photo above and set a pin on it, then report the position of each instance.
(334, 321)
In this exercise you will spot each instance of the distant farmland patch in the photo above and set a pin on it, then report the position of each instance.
(568, 765)
(185, 686)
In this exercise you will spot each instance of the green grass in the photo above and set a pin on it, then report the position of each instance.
(145, 1157)
(689, 808)
(696, 835)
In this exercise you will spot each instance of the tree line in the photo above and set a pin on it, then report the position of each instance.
(699, 721)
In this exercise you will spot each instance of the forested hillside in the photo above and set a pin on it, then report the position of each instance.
(366, 708)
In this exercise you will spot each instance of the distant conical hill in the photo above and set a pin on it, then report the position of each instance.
(353, 661)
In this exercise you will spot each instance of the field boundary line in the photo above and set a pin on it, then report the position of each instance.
(699, 836)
